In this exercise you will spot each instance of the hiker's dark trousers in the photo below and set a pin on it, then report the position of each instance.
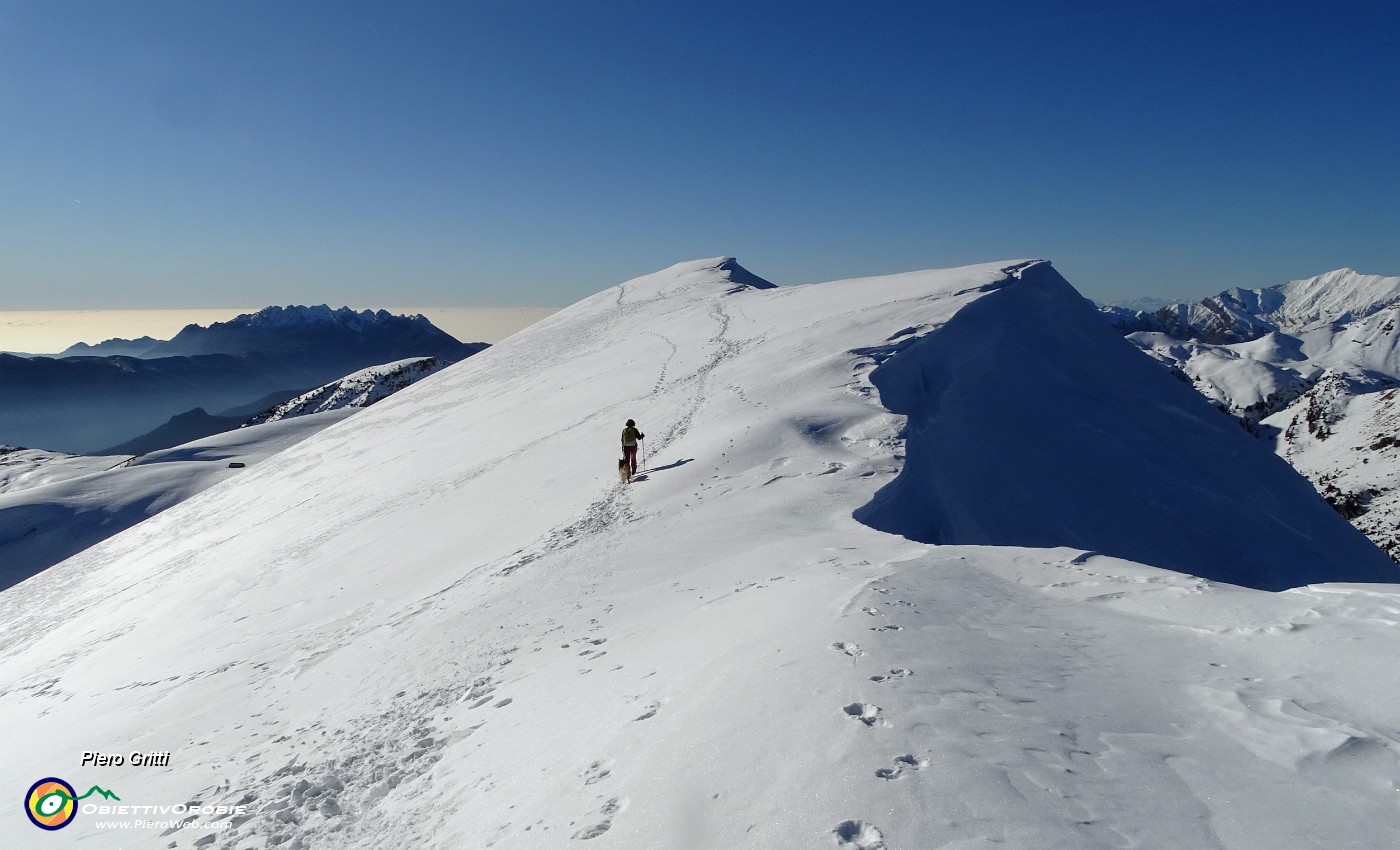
(629, 454)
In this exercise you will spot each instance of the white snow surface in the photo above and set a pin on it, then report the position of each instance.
(1342, 295)
(21, 467)
(69, 503)
(443, 623)
(358, 389)
(1344, 440)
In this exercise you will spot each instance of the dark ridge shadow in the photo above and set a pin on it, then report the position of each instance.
(1030, 422)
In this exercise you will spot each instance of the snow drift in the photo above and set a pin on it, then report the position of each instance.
(1031, 423)
(443, 623)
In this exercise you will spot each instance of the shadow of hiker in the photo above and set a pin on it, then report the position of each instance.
(681, 462)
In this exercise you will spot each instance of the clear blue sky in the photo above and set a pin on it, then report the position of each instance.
(212, 152)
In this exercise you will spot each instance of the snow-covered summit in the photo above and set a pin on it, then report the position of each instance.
(1240, 315)
(718, 274)
(1342, 295)
(444, 623)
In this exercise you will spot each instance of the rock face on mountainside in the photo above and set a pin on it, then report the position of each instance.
(1291, 363)
(88, 403)
(444, 623)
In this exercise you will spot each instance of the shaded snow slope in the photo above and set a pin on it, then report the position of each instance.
(43, 523)
(359, 389)
(443, 623)
(1293, 390)
(1032, 423)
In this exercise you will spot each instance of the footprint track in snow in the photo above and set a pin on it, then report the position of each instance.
(859, 835)
(848, 648)
(895, 673)
(597, 772)
(609, 811)
(866, 713)
(902, 765)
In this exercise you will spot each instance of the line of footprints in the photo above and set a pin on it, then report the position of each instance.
(854, 834)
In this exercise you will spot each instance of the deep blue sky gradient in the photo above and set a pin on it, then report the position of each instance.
(181, 154)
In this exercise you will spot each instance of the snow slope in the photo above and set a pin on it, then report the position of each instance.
(70, 503)
(359, 389)
(1162, 481)
(21, 467)
(1339, 359)
(444, 623)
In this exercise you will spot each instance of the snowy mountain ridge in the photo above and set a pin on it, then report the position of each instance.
(444, 623)
(291, 318)
(360, 389)
(1240, 315)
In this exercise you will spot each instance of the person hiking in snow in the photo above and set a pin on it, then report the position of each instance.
(630, 437)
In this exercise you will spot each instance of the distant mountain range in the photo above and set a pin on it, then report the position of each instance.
(92, 397)
(307, 331)
(1241, 315)
(1310, 367)
(357, 390)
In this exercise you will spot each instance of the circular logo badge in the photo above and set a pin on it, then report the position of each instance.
(50, 803)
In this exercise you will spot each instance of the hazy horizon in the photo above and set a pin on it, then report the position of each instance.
(52, 331)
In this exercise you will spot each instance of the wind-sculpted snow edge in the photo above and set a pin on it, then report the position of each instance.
(1031, 423)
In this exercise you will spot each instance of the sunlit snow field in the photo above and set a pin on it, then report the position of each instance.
(893, 581)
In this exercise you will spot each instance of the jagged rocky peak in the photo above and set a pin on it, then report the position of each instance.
(320, 314)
